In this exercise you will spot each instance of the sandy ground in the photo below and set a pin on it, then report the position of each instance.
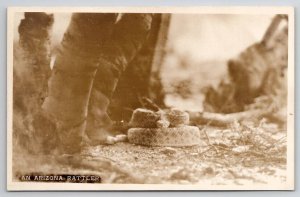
(212, 163)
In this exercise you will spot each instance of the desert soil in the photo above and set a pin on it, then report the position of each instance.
(211, 162)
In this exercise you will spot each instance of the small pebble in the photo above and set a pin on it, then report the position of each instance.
(169, 151)
(121, 138)
(110, 140)
(240, 149)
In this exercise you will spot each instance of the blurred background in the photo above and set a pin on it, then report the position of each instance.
(198, 48)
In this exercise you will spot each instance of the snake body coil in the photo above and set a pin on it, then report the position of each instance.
(152, 129)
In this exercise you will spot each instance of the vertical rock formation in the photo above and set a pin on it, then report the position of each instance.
(30, 74)
(142, 77)
(130, 34)
(34, 51)
(95, 51)
(71, 81)
(258, 71)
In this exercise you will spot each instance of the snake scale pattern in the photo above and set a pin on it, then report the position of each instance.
(162, 129)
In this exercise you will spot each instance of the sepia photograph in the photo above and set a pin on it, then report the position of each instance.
(150, 98)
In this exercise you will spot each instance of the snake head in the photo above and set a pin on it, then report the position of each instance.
(177, 117)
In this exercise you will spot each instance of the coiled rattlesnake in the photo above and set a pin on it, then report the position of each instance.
(162, 129)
